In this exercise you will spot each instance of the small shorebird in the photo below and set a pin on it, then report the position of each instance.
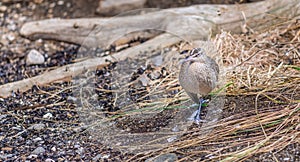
(198, 76)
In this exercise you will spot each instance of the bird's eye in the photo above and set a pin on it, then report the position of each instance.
(196, 52)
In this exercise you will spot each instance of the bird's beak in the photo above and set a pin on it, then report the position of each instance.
(189, 58)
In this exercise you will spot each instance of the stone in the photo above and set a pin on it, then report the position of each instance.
(34, 57)
(49, 160)
(48, 116)
(37, 139)
(3, 8)
(37, 127)
(60, 3)
(10, 37)
(38, 150)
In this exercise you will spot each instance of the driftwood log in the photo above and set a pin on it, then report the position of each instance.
(194, 22)
(189, 23)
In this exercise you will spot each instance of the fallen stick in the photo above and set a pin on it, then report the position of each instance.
(71, 70)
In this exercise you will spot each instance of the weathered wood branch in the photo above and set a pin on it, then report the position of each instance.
(194, 22)
(69, 71)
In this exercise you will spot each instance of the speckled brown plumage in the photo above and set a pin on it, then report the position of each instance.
(198, 74)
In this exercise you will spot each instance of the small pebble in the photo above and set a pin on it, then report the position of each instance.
(48, 116)
(60, 2)
(37, 139)
(32, 156)
(52, 5)
(34, 57)
(3, 8)
(10, 37)
(53, 148)
(49, 160)
(37, 127)
(38, 150)
(105, 156)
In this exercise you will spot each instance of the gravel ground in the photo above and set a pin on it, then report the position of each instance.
(42, 124)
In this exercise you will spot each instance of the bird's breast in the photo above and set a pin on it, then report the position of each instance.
(197, 78)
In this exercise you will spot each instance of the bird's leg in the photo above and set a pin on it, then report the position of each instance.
(197, 117)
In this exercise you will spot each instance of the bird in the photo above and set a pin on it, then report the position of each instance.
(198, 76)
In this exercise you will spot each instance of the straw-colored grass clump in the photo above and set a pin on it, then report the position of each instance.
(264, 69)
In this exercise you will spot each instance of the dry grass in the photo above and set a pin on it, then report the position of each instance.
(261, 68)
(265, 66)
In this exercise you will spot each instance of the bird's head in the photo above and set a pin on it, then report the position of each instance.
(196, 52)
(195, 55)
